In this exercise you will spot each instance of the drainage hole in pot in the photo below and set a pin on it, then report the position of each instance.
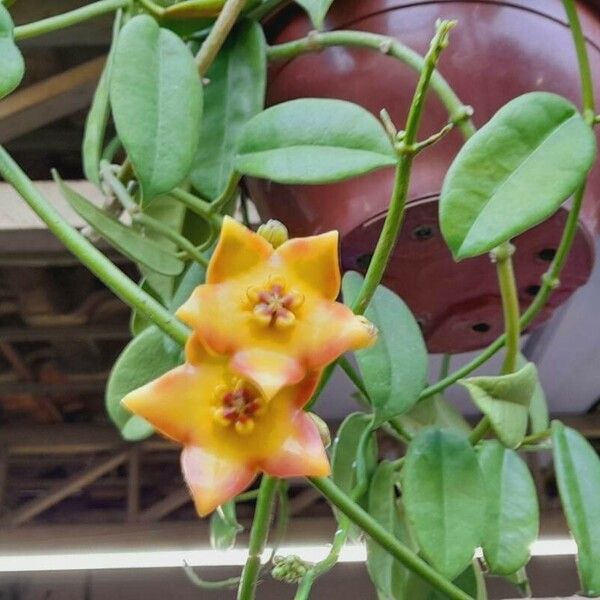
(547, 254)
(481, 327)
(422, 232)
(364, 260)
(532, 290)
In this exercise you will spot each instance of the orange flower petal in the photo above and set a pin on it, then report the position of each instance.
(213, 480)
(302, 454)
(332, 329)
(238, 251)
(270, 371)
(314, 261)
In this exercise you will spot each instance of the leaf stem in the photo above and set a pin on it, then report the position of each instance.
(230, 583)
(258, 537)
(393, 221)
(89, 255)
(386, 539)
(218, 34)
(73, 17)
(198, 206)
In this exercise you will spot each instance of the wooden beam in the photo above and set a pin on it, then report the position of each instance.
(64, 489)
(133, 484)
(165, 506)
(49, 100)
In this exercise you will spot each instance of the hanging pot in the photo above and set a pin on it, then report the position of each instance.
(498, 50)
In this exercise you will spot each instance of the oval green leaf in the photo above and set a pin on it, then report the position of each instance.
(442, 488)
(97, 117)
(12, 65)
(224, 527)
(142, 360)
(514, 172)
(512, 512)
(240, 65)
(124, 239)
(156, 98)
(387, 574)
(505, 399)
(313, 140)
(577, 469)
(137, 429)
(395, 368)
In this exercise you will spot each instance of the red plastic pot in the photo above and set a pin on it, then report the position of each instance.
(499, 50)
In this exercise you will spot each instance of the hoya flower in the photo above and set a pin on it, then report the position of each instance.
(230, 432)
(273, 311)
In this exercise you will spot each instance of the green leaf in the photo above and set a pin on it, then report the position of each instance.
(471, 581)
(442, 489)
(539, 415)
(316, 9)
(240, 65)
(395, 368)
(156, 97)
(224, 527)
(138, 322)
(505, 399)
(97, 117)
(12, 65)
(137, 429)
(434, 411)
(388, 575)
(142, 360)
(313, 140)
(512, 512)
(577, 469)
(514, 173)
(124, 239)
(344, 455)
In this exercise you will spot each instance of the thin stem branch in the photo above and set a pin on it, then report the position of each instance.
(218, 34)
(258, 537)
(89, 255)
(393, 221)
(73, 17)
(459, 113)
(587, 84)
(386, 539)
(230, 189)
(224, 584)
(197, 205)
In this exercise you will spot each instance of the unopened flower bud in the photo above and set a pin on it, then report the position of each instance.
(274, 232)
(323, 429)
(289, 569)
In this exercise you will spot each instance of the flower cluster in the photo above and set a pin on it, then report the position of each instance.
(265, 325)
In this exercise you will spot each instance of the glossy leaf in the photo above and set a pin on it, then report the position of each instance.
(395, 368)
(142, 360)
(240, 65)
(97, 117)
(313, 140)
(224, 527)
(577, 469)
(12, 65)
(442, 489)
(434, 411)
(512, 512)
(156, 97)
(124, 239)
(387, 574)
(505, 399)
(344, 455)
(316, 9)
(514, 172)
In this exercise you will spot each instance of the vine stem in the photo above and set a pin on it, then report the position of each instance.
(89, 255)
(258, 537)
(73, 17)
(218, 34)
(393, 221)
(386, 539)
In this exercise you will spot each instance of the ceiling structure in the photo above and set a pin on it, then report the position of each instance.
(63, 468)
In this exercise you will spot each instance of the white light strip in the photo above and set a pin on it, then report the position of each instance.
(210, 558)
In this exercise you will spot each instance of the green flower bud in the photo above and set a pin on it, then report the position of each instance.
(289, 569)
(274, 232)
